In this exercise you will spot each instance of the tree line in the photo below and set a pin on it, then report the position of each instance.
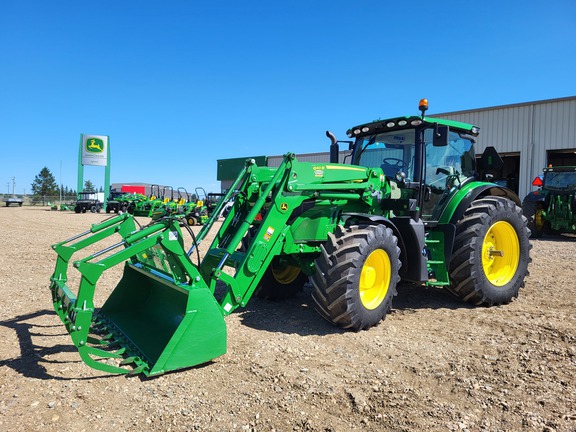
(45, 185)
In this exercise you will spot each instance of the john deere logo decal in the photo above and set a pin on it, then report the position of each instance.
(94, 145)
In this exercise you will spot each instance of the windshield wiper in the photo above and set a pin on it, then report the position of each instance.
(370, 142)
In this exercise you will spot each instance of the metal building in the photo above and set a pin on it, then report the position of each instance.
(529, 136)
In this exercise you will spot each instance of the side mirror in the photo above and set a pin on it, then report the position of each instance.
(440, 135)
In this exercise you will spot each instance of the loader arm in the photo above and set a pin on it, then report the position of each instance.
(167, 313)
(263, 225)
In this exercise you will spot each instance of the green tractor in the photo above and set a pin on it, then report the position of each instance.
(128, 200)
(143, 205)
(407, 206)
(552, 209)
(197, 211)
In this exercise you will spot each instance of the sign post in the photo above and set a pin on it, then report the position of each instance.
(95, 151)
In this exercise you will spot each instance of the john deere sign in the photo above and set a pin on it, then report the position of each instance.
(94, 150)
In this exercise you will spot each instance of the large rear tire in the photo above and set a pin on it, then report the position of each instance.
(356, 276)
(533, 212)
(491, 252)
(281, 281)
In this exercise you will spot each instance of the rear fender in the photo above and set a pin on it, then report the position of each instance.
(461, 202)
(469, 193)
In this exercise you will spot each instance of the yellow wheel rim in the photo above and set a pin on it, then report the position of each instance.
(538, 221)
(375, 279)
(286, 275)
(500, 253)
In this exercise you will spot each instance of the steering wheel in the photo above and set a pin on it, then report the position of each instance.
(394, 162)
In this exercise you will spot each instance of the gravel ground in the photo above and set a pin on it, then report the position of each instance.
(435, 363)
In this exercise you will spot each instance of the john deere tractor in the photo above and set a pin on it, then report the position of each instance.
(406, 206)
(552, 208)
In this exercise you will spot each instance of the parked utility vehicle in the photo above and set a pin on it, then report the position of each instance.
(88, 201)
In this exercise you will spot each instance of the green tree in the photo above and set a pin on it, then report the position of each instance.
(44, 184)
(89, 186)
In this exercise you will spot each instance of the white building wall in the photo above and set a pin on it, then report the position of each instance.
(530, 129)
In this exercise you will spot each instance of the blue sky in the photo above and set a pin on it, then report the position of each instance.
(179, 84)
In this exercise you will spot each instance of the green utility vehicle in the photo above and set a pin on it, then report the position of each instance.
(552, 208)
(406, 206)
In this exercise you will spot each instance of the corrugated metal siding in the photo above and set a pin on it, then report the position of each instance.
(505, 129)
(530, 129)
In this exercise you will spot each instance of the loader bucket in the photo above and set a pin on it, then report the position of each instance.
(170, 327)
(161, 316)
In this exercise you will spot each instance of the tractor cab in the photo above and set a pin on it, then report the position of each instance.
(425, 160)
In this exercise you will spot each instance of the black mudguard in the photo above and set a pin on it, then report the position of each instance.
(411, 240)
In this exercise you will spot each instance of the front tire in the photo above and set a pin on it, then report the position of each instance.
(356, 276)
(491, 252)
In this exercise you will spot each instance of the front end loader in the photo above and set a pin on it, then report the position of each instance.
(407, 207)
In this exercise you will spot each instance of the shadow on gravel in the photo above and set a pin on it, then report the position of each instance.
(292, 316)
(297, 315)
(413, 297)
(31, 359)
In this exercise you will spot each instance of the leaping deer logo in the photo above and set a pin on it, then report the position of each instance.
(95, 145)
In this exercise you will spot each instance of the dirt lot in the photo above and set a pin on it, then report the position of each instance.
(433, 364)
